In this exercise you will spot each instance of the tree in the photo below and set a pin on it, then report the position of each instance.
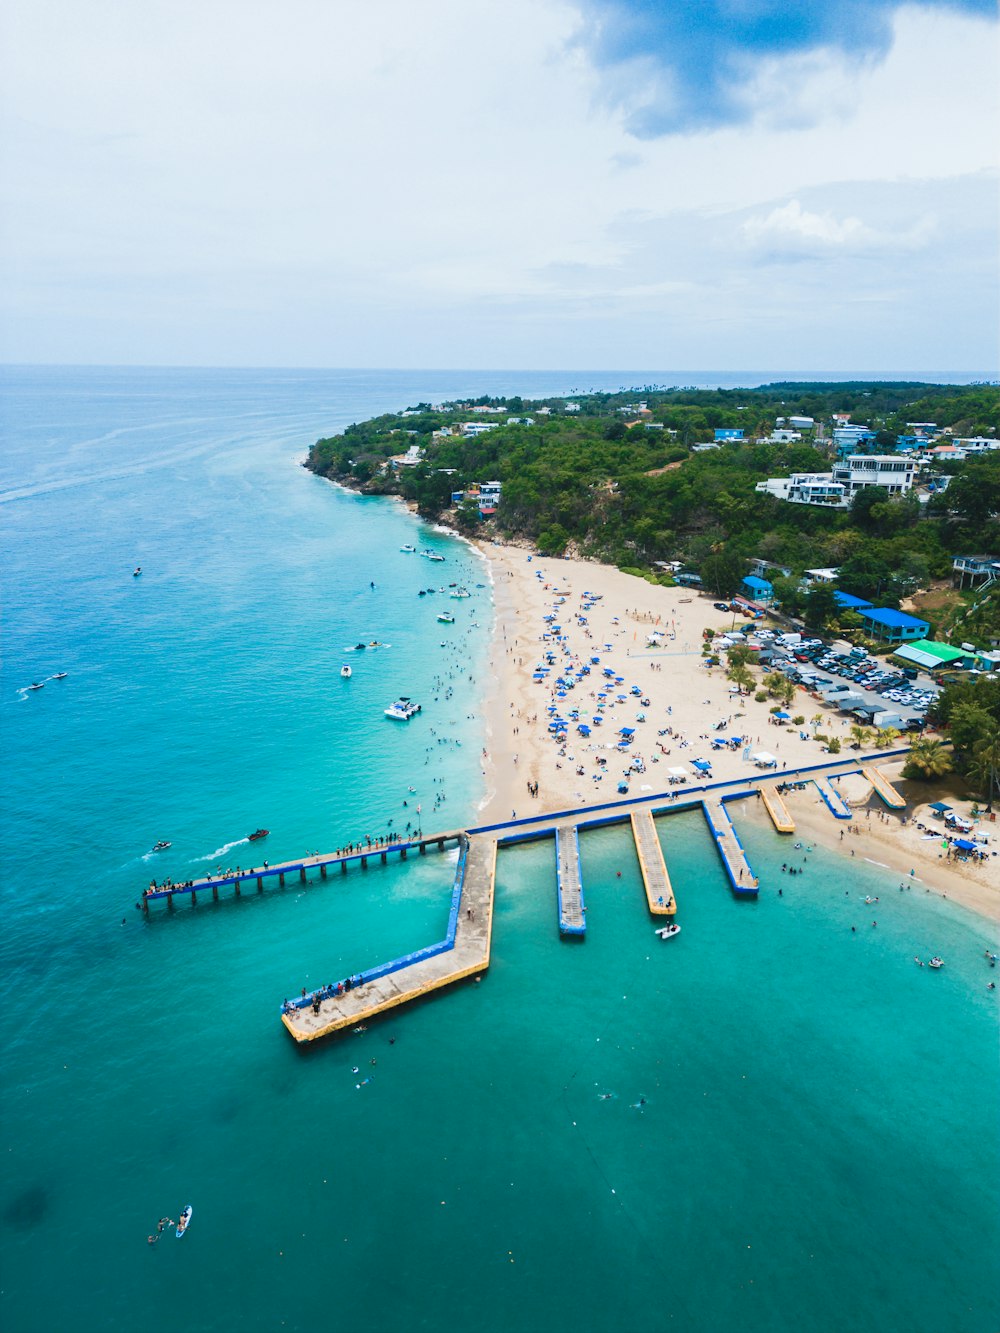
(860, 736)
(821, 605)
(863, 574)
(986, 764)
(885, 737)
(816, 721)
(722, 571)
(927, 760)
(742, 678)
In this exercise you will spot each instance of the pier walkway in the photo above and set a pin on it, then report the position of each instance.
(777, 809)
(835, 803)
(884, 788)
(659, 894)
(741, 877)
(569, 882)
(463, 952)
(257, 876)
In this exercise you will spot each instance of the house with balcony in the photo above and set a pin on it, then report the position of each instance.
(893, 626)
(975, 571)
(895, 474)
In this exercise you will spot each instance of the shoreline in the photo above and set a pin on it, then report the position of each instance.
(687, 707)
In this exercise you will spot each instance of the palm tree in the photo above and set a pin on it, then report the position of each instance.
(741, 677)
(786, 690)
(927, 760)
(985, 764)
(860, 736)
(887, 736)
(816, 721)
(773, 682)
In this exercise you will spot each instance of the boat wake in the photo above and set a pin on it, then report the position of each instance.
(221, 851)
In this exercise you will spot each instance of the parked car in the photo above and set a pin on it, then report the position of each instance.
(720, 606)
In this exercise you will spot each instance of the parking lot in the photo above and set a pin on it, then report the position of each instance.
(828, 671)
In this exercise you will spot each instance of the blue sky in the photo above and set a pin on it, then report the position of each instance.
(608, 183)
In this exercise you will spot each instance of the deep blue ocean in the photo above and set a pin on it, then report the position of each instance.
(769, 1124)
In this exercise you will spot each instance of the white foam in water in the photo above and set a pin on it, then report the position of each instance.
(221, 851)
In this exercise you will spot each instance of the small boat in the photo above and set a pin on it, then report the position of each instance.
(37, 685)
(935, 962)
(137, 571)
(461, 592)
(258, 834)
(408, 549)
(184, 1221)
(60, 675)
(446, 619)
(431, 555)
(403, 709)
(668, 932)
(345, 671)
(160, 846)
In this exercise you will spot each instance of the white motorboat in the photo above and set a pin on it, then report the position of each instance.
(461, 592)
(935, 962)
(402, 710)
(668, 932)
(410, 550)
(446, 619)
(345, 671)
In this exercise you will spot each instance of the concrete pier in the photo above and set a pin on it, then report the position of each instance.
(777, 809)
(659, 894)
(741, 877)
(572, 919)
(883, 788)
(278, 872)
(835, 803)
(464, 952)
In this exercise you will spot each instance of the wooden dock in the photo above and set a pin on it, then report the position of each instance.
(883, 788)
(741, 877)
(777, 809)
(464, 953)
(659, 894)
(569, 883)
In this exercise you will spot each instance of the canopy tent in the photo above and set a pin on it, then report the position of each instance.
(678, 772)
(964, 844)
(702, 765)
(939, 806)
(782, 717)
(764, 760)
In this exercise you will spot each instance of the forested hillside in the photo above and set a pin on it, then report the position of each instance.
(617, 479)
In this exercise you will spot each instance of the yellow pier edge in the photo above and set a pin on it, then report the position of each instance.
(480, 964)
(777, 809)
(659, 867)
(883, 788)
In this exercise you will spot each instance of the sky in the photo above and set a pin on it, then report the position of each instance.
(810, 185)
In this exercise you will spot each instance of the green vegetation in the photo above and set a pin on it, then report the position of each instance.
(970, 711)
(623, 486)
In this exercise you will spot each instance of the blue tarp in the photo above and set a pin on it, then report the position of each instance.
(702, 765)
(965, 844)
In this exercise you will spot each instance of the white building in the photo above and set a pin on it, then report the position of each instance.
(801, 423)
(478, 427)
(836, 488)
(782, 436)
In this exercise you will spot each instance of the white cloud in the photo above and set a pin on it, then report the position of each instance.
(388, 183)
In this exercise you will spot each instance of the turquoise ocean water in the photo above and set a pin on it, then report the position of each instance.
(770, 1123)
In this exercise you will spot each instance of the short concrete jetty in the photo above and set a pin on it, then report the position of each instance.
(835, 803)
(659, 894)
(464, 952)
(741, 877)
(569, 882)
(777, 809)
(883, 788)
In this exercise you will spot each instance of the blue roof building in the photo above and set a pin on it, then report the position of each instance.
(894, 626)
(851, 603)
(723, 433)
(758, 590)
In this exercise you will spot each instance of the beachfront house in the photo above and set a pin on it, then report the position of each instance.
(975, 571)
(848, 602)
(489, 497)
(727, 434)
(758, 590)
(893, 626)
(932, 656)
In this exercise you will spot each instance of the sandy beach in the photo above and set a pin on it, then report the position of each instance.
(650, 639)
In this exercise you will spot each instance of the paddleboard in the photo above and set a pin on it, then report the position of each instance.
(184, 1222)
